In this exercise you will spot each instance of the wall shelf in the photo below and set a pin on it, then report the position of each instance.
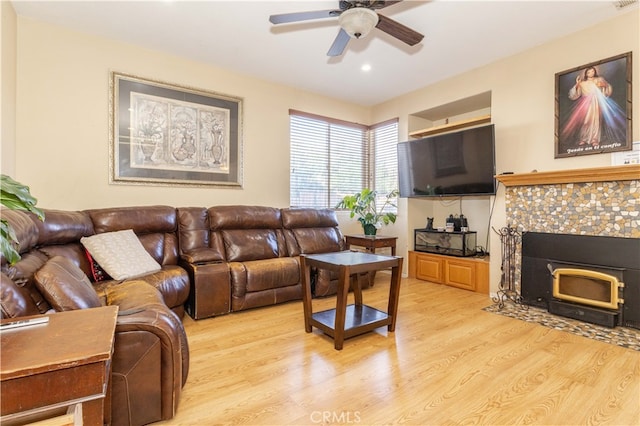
(451, 126)
(594, 174)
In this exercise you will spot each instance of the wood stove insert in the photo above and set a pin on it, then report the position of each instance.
(591, 278)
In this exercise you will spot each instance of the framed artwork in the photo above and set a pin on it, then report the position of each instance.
(166, 134)
(593, 108)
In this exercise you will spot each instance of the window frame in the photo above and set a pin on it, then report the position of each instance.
(368, 163)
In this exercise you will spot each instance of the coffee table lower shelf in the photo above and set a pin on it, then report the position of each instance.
(359, 319)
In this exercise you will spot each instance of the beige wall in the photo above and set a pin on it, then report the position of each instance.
(62, 121)
(522, 109)
(62, 132)
(7, 87)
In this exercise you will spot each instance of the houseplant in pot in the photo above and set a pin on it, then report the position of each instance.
(363, 204)
(14, 196)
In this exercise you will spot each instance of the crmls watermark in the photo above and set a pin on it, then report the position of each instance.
(333, 417)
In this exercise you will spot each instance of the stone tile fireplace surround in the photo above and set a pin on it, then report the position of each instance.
(591, 202)
(600, 201)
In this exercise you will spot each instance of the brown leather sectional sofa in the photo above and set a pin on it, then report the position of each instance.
(247, 256)
(213, 261)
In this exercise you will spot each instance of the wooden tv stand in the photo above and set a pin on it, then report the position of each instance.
(469, 273)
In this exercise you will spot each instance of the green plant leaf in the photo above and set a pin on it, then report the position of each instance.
(363, 204)
(8, 243)
(16, 196)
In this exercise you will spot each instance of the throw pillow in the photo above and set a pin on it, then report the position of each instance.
(65, 286)
(97, 272)
(120, 254)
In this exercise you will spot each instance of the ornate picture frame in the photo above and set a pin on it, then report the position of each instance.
(593, 108)
(166, 134)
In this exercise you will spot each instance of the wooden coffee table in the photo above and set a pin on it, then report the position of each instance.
(346, 321)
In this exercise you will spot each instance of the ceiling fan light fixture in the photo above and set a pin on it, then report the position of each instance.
(358, 21)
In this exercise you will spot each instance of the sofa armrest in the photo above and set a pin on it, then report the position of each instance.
(202, 255)
(210, 292)
(146, 322)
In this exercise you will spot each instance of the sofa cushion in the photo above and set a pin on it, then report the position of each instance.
(311, 231)
(254, 244)
(143, 220)
(63, 227)
(244, 217)
(24, 228)
(274, 273)
(293, 218)
(155, 227)
(120, 254)
(318, 240)
(197, 243)
(21, 274)
(13, 303)
(72, 251)
(65, 286)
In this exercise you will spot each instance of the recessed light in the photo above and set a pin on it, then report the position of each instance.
(366, 68)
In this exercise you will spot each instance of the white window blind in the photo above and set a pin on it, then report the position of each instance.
(309, 160)
(330, 158)
(384, 139)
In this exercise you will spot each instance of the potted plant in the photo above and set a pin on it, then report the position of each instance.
(14, 196)
(363, 204)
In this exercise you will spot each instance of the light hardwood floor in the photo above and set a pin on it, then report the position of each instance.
(448, 362)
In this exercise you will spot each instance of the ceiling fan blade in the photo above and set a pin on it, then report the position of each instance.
(341, 41)
(387, 3)
(370, 4)
(399, 31)
(303, 16)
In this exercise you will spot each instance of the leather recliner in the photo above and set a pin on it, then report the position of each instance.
(151, 355)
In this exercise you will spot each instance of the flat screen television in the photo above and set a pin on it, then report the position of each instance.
(453, 164)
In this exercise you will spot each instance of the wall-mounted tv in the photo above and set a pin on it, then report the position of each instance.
(452, 164)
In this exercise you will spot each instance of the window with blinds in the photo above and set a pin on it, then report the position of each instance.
(384, 140)
(331, 158)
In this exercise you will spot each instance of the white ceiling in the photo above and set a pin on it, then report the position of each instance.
(237, 35)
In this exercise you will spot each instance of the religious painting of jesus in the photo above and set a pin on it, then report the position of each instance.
(593, 108)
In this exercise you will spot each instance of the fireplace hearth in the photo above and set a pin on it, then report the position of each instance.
(591, 278)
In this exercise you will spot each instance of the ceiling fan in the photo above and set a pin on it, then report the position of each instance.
(356, 19)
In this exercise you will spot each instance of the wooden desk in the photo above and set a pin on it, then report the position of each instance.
(372, 242)
(345, 321)
(64, 362)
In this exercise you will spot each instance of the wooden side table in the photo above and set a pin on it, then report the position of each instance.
(62, 363)
(346, 321)
(372, 242)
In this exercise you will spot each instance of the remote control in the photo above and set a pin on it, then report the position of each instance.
(23, 323)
